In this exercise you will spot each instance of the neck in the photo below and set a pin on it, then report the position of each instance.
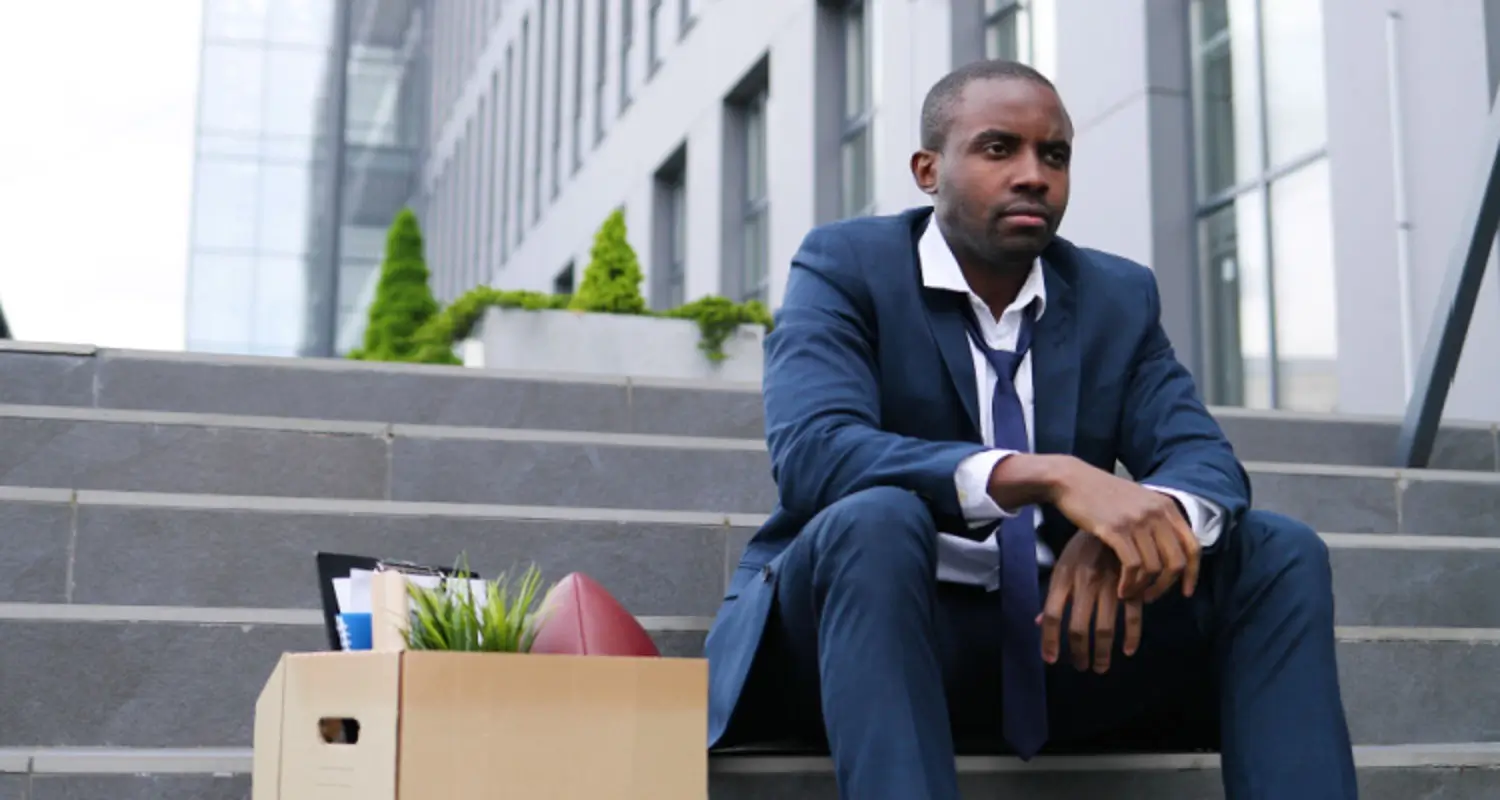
(997, 285)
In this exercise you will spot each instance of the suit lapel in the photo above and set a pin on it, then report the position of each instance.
(1055, 361)
(945, 317)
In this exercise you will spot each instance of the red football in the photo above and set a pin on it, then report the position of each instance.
(581, 618)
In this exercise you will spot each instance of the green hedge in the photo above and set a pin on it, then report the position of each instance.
(611, 285)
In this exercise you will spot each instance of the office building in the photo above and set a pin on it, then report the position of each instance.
(309, 123)
(1296, 172)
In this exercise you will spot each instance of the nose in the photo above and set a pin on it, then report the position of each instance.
(1030, 175)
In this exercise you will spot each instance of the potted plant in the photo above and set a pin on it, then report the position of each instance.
(605, 328)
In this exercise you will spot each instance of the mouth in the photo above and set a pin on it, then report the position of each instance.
(1026, 216)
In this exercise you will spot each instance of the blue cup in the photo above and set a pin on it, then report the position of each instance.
(354, 631)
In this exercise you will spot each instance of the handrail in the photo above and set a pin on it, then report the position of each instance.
(1450, 322)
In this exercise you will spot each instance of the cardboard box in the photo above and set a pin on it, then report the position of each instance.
(439, 724)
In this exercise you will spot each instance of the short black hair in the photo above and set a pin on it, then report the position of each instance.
(937, 108)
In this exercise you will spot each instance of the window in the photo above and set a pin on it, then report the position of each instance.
(521, 133)
(505, 146)
(1264, 214)
(654, 21)
(669, 245)
(557, 101)
(492, 171)
(601, 73)
(578, 16)
(541, 83)
(562, 283)
(1006, 30)
(856, 193)
(627, 39)
(755, 203)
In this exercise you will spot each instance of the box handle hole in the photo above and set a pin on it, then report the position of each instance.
(339, 730)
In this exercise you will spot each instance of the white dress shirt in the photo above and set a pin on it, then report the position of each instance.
(963, 560)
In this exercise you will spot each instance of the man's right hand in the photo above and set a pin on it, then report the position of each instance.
(1144, 528)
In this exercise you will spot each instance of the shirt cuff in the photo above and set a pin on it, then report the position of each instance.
(972, 479)
(1205, 517)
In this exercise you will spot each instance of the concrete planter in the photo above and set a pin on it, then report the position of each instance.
(609, 344)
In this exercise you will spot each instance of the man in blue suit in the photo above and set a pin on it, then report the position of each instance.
(953, 558)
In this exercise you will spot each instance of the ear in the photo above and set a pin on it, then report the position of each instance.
(924, 171)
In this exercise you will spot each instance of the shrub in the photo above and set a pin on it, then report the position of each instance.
(403, 302)
(612, 281)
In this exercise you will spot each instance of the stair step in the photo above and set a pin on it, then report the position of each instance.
(168, 677)
(164, 677)
(336, 389)
(130, 549)
(1460, 772)
(215, 454)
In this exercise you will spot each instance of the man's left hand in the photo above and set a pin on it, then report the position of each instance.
(1086, 573)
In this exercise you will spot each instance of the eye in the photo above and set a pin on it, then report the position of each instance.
(997, 149)
(1057, 157)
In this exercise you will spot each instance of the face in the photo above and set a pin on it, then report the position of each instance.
(1000, 183)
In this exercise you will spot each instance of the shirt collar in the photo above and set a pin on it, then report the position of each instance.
(940, 270)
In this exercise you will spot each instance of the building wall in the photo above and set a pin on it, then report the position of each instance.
(1443, 95)
(1276, 258)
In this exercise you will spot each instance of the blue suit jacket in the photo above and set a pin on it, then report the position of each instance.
(869, 382)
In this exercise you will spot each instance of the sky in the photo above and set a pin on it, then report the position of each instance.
(96, 164)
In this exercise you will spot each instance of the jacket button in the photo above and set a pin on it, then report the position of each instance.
(765, 572)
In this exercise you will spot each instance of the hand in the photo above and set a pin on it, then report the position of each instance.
(1144, 528)
(1084, 573)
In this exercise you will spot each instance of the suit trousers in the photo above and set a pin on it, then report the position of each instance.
(901, 672)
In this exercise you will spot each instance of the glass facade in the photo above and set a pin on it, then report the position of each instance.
(305, 150)
(264, 88)
(857, 192)
(1265, 230)
(1006, 30)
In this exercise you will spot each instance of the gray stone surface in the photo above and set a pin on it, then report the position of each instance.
(34, 551)
(1329, 503)
(137, 685)
(1452, 507)
(77, 684)
(1416, 588)
(264, 559)
(44, 379)
(133, 456)
(1374, 784)
(1267, 437)
(14, 787)
(1420, 692)
(140, 787)
(690, 412)
(566, 474)
(432, 396)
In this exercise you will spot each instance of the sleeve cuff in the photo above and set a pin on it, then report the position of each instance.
(972, 480)
(1204, 517)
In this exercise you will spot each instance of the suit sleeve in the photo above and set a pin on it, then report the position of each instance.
(821, 390)
(1167, 437)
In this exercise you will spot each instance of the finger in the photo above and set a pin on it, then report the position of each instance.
(1080, 618)
(1104, 631)
(1052, 612)
(1132, 626)
(1145, 544)
(1169, 545)
(1130, 559)
(1192, 551)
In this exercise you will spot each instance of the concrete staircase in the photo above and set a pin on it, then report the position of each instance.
(158, 515)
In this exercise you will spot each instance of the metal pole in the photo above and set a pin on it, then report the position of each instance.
(1398, 191)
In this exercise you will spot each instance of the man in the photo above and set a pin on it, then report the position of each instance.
(947, 392)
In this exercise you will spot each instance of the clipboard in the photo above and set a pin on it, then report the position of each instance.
(339, 565)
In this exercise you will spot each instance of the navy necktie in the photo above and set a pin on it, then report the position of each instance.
(1023, 678)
